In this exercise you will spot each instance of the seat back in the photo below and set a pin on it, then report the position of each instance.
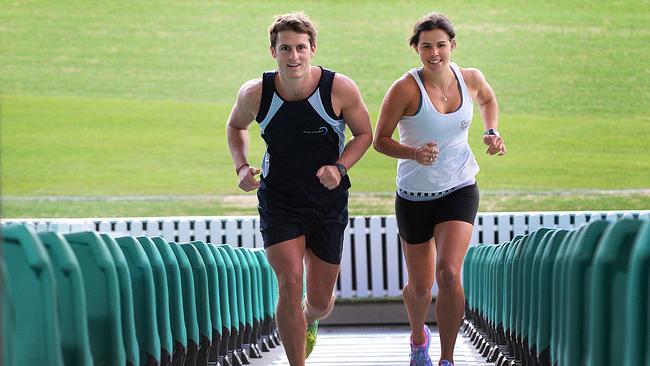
(239, 286)
(573, 333)
(36, 324)
(162, 298)
(8, 318)
(202, 301)
(544, 286)
(71, 300)
(102, 291)
(608, 293)
(189, 304)
(637, 324)
(214, 298)
(131, 347)
(175, 292)
(232, 297)
(256, 292)
(224, 298)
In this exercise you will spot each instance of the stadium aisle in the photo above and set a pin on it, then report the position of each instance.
(370, 346)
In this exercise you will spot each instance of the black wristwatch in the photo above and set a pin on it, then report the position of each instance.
(342, 169)
(491, 132)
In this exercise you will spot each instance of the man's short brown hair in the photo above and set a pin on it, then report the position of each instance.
(298, 22)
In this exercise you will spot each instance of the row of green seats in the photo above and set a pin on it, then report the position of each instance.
(90, 299)
(562, 297)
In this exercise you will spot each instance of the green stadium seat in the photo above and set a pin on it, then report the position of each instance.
(36, 333)
(607, 307)
(532, 305)
(241, 305)
(268, 278)
(637, 313)
(234, 345)
(507, 284)
(523, 282)
(189, 304)
(202, 302)
(513, 331)
(175, 292)
(144, 299)
(540, 329)
(572, 332)
(162, 299)
(560, 302)
(131, 347)
(248, 300)
(214, 298)
(500, 292)
(102, 291)
(224, 302)
(71, 299)
(8, 318)
(256, 297)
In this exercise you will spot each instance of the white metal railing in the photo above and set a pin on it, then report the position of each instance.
(372, 265)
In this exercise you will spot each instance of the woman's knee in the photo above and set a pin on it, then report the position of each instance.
(320, 305)
(419, 290)
(448, 277)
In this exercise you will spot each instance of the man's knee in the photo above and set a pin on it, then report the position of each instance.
(290, 286)
(448, 277)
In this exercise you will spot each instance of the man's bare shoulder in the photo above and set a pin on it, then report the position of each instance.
(343, 85)
(250, 96)
(251, 89)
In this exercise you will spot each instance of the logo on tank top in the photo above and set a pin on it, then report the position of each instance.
(465, 124)
(320, 131)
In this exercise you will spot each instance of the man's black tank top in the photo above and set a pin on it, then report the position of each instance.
(300, 136)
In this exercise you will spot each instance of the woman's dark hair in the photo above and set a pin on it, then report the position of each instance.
(430, 22)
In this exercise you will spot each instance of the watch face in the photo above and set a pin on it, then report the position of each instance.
(341, 169)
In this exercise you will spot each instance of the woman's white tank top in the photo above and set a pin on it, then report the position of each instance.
(455, 165)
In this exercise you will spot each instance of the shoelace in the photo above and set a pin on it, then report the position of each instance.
(418, 354)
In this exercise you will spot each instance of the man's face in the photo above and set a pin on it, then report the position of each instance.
(293, 53)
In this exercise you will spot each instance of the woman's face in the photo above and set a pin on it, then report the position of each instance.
(434, 48)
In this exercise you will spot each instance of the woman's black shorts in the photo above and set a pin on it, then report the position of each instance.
(417, 219)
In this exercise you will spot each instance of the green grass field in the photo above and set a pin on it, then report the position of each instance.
(119, 109)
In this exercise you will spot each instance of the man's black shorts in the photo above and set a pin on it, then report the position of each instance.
(322, 226)
(417, 219)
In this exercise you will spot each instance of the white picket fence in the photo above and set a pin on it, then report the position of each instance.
(372, 264)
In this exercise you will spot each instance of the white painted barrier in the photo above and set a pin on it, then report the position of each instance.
(372, 264)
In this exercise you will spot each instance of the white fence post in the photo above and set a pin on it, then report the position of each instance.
(168, 231)
(488, 228)
(377, 257)
(504, 228)
(200, 230)
(183, 231)
(346, 266)
(361, 256)
(215, 232)
(231, 233)
(136, 228)
(392, 257)
(247, 233)
(519, 225)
